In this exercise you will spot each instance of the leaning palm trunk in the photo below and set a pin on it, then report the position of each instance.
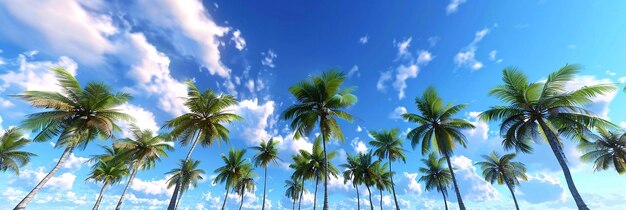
(512, 194)
(381, 198)
(130, 180)
(322, 122)
(358, 199)
(301, 194)
(370, 192)
(445, 201)
(97, 205)
(29, 197)
(315, 193)
(393, 188)
(293, 204)
(241, 202)
(178, 201)
(456, 186)
(264, 187)
(558, 152)
(225, 197)
(174, 199)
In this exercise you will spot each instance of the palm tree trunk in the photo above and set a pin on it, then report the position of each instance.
(381, 198)
(315, 194)
(358, 199)
(178, 201)
(393, 188)
(322, 122)
(29, 197)
(445, 201)
(172, 205)
(558, 152)
(264, 186)
(512, 194)
(370, 192)
(225, 197)
(241, 203)
(130, 180)
(293, 204)
(301, 194)
(97, 205)
(456, 186)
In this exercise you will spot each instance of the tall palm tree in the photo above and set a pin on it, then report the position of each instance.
(245, 183)
(545, 110)
(301, 173)
(294, 187)
(438, 129)
(315, 165)
(353, 173)
(368, 172)
(204, 124)
(503, 170)
(381, 180)
(109, 173)
(233, 168)
(267, 152)
(144, 149)
(187, 174)
(11, 157)
(436, 176)
(320, 100)
(389, 146)
(74, 115)
(605, 149)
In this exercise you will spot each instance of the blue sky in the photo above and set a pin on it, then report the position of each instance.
(255, 50)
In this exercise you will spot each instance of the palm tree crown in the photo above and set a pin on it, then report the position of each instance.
(267, 152)
(187, 173)
(503, 171)
(233, 169)
(388, 145)
(11, 157)
(605, 149)
(436, 175)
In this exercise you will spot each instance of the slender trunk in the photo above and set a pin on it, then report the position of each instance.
(243, 192)
(456, 186)
(172, 205)
(301, 194)
(381, 198)
(104, 187)
(317, 180)
(225, 197)
(179, 197)
(558, 152)
(393, 188)
(29, 197)
(358, 199)
(512, 194)
(445, 201)
(322, 122)
(293, 204)
(370, 192)
(130, 180)
(264, 186)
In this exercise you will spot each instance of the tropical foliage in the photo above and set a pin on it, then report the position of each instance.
(11, 157)
(503, 170)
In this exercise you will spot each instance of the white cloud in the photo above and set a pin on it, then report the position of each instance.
(364, 39)
(13, 195)
(61, 182)
(74, 162)
(153, 187)
(382, 79)
(601, 103)
(193, 22)
(358, 128)
(240, 42)
(622, 80)
(84, 36)
(358, 145)
(478, 190)
(403, 47)
(5, 103)
(397, 113)
(621, 124)
(269, 58)
(493, 56)
(144, 119)
(481, 128)
(354, 71)
(424, 57)
(253, 129)
(433, 40)
(453, 6)
(151, 203)
(408, 184)
(35, 75)
(404, 73)
(466, 58)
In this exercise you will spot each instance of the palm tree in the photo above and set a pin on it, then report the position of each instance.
(267, 152)
(388, 145)
(607, 148)
(204, 124)
(301, 173)
(108, 172)
(315, 165)
(504, 171)
(75, 115)
(353, 173)
(294, 187)
(233, 168)
(368, 172)
(438, 129)
(545, 110)
(187, 174)
(11, 157)
(381, 180)
(320, 101)
(436, 176)
(144, 149)
(245, 183)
